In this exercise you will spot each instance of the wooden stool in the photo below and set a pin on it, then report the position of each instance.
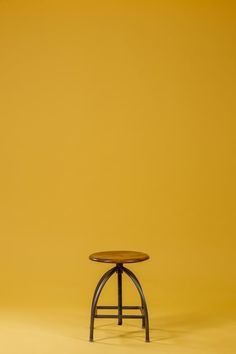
(119, 258)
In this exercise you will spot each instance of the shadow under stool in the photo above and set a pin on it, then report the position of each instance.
(119, 258)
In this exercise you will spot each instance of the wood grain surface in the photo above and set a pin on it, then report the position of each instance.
(119, 257)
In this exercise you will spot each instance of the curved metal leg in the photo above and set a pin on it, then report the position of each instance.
(96, 295)
(144, 304)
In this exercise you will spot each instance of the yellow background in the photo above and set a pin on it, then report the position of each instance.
(117, 132)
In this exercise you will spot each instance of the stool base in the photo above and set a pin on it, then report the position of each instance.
(119, 269)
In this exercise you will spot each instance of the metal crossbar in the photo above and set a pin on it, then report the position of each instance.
(117, 316)
(116, 307)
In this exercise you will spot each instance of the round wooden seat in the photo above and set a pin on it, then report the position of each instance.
(119, 257)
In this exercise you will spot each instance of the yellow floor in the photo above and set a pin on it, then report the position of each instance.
(66, 332)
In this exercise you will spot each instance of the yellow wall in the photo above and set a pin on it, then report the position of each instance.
(117, 132)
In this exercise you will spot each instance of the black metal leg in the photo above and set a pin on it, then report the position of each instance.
(119, 269)
(144, 304)
(96, 295)
(119, 274)
(143, 319)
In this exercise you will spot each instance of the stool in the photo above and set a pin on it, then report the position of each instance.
(119, 258)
